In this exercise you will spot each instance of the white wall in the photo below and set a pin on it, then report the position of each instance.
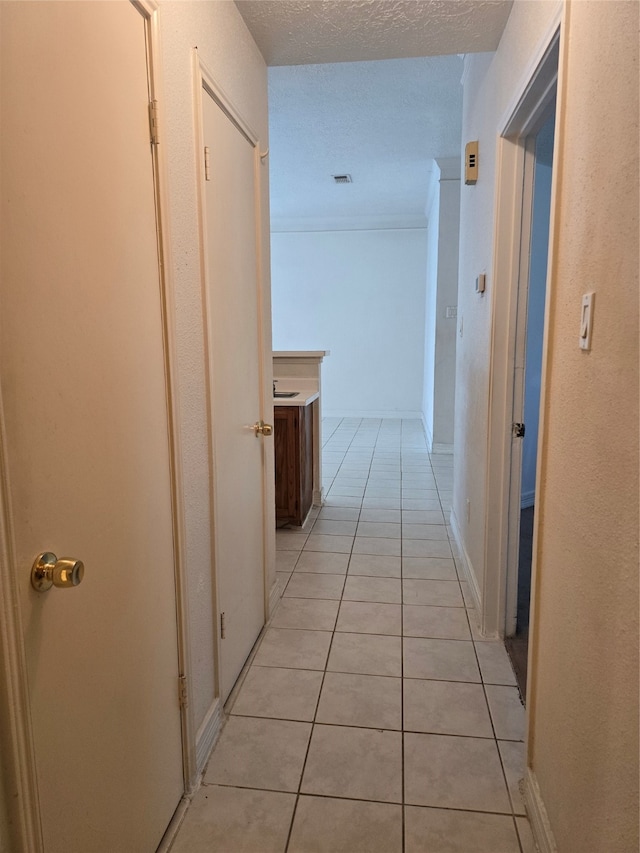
(535, 312)
(583, 664)
(359, 294)
(443, 217)
(489, 83)
(432, 211)
(232, 57)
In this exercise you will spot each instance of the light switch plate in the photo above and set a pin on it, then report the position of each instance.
(586, 320)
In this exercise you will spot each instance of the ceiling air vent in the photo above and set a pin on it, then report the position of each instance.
(342, 179)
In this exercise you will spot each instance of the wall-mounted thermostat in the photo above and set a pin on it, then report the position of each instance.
(471, 162)
(481, 283)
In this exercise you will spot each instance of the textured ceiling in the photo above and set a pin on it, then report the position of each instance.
(381, 122)
(367, 87)
(301, 32)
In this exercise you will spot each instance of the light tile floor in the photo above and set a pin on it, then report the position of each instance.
(373, 717)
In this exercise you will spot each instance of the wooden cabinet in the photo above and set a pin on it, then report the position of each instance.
(293, 436)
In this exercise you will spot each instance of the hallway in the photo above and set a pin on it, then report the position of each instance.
(372, 716)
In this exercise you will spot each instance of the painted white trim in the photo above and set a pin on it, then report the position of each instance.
(161, 177)
(516, 390)
(427, 432)
(538, 817)
(204, 80)
(379, 414)
(146, 7)
(510, 165)
(438, 447)
(207, 735)
(198, 136)
(208, 81)
(22, 782)
(467, 567)
(176, 822)
(528, 90)
(274, 597)
(450, 168)
(347, 223)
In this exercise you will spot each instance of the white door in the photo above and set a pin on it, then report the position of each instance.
(235, 353)
(85, 412)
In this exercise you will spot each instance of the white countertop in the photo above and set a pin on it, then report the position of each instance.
(317, 355)
(307, 391)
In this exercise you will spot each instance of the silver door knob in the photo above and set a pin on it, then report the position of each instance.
(48, 571)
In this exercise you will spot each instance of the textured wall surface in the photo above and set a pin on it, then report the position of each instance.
(583, 693)
(583, 738)
(359, 294)
(237, 66)
(432, 210)
(295, 32)
(490, 81)
(443, 215)
(445, 352)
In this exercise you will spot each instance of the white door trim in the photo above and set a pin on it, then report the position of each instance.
(20, 763)
(204, 80)
(526, 169)
(524, 117)
(149, 11)
(14, 705)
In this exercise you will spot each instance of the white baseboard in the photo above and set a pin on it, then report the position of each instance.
(441, 448)
(176, 822)
(287, 224)
(538, 817)
(274, 597)
(379, 414)
(427, 432)
(467, 567)
(318, 496)
(527, 499)
(207, 734)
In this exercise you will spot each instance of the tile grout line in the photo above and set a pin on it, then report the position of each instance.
(495, 740)
(315, 714)
(407, 450)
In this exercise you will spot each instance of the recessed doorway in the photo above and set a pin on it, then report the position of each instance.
(527, 381)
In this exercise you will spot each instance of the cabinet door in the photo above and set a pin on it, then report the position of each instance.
(287, 454)
(305, 462)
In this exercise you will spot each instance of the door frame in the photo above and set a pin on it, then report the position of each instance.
(204, 80)
(514, 193)
(14, 703)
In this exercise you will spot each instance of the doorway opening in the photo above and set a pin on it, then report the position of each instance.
(528, 371)
(532, 107)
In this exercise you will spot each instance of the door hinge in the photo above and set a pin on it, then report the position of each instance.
(153, 122)
(222, 627)
(518, 430)
(183, 698)
(207, 164)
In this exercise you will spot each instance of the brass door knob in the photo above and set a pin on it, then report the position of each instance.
(48, 571)
(262, 429)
